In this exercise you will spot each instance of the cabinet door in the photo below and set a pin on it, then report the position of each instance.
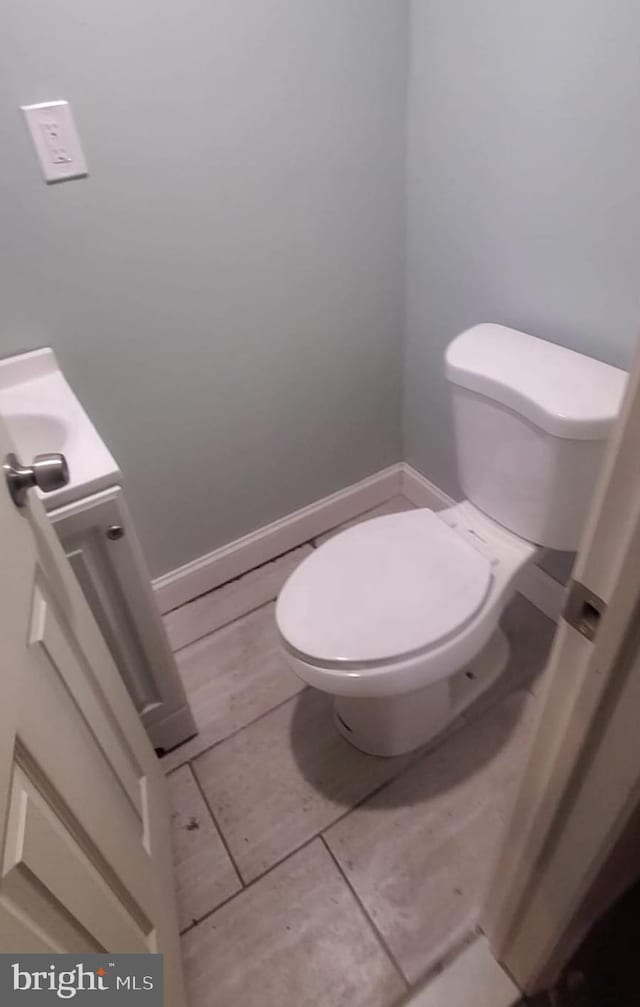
(100, 542)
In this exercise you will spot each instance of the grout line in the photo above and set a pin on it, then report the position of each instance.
(356, 520)
(246, 886)
(448, 957)
(265, 713)
(410, 764)
(296, 849)
(370, 794)
(381, 941)
(281, 860)
(232, 580)
(206, 916)
(223, 625)
(312, 543)
(464, 717)
(416, 758)
(347, 811)
(328, 825)
(219, 830)
(236, 618)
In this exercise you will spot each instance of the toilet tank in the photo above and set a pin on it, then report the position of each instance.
(531, 424)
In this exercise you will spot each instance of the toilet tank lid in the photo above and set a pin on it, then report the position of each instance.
(563, 392)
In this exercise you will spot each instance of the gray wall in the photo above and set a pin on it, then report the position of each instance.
(524, 188)
(225, 291)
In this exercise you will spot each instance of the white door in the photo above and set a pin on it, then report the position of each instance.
(566, 850)
(86, 862)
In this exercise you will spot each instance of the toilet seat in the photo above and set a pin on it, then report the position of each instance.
(387, 589)
(505, 553)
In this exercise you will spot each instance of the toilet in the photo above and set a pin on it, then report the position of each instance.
(398, 617)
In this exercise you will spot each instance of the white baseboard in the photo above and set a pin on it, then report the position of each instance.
(230, 561)
(421, 492)
(264, 544)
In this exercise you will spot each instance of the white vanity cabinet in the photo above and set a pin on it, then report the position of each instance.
(100, 541)
(92, 520)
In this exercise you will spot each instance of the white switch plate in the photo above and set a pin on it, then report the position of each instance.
(56, 140)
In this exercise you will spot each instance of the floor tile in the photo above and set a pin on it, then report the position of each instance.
(204, 874)
(297, 938)
(283, 779)
(393, 506)
(232, 677)
(474, 979)
(213, 610)
(530, 634)
(419, 854)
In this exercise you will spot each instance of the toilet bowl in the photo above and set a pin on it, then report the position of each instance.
(398, 617)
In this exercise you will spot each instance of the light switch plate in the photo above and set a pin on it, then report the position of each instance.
(56, 140)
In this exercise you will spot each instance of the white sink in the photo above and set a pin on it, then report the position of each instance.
(43, 414)
(34, 433)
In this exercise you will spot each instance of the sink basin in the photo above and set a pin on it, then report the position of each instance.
(43, 414)
(35, 433)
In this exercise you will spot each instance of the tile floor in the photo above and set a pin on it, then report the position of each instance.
(308, 873)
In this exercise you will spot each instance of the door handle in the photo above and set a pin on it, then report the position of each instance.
(48, 472)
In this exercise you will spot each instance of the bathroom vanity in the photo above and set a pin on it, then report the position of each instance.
(95, 527)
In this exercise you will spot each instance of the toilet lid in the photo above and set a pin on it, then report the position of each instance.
(383, 589)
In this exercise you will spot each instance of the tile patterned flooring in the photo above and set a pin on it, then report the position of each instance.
(308, 873)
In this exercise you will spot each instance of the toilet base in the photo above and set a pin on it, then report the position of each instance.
(394, 725)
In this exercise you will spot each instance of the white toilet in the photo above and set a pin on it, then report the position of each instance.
(398, 617)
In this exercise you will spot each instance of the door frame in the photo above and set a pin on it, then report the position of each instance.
(567, 851)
